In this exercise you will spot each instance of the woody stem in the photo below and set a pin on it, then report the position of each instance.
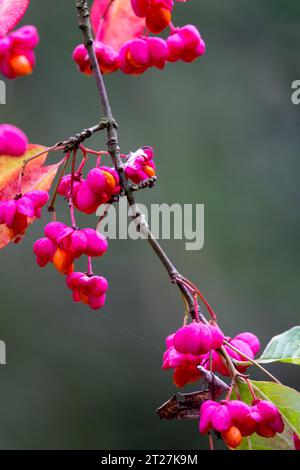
(114, 149)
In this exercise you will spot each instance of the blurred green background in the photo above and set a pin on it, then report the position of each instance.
(227, 135)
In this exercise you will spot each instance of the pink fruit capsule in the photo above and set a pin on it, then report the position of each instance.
(12, 140)
(238, 410)
(217, 336)
(221, 419)
(195, 339)
(85, 198)
(206, 411)
(96, 181)
(251, 340)
(96, 243)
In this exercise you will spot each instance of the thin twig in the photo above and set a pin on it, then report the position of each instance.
(75, 141)
(249, 384)
(253, 361)
(114, 150)
(231, 367)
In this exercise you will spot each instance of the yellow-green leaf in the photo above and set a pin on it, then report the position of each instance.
(283, 348)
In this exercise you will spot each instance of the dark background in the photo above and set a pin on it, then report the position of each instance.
(227, 135)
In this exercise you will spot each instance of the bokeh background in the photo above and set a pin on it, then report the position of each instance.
(227, 135)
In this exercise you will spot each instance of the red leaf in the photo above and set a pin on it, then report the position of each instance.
(36, 176)
(115, 23)
(11, 12)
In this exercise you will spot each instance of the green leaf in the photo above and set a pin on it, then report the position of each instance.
(283, 441)
(283, 348)
(287, 400)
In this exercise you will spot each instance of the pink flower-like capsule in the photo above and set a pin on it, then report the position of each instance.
(13, 141)
(232, 419)
(172, 358)
(217, 338)
(44, 249)
(238, 418)
(134, 56)
(158, 52)
(90, 290)
(17, 56)
(241, 416)
(140, 165)
(222, 416)
(107, 58)
(268, 418)
(195, 338)
(96, 180)
(158, 13)
(84, 199)
(111, 177)
(221, 419)
(65, 244)
(238, 410)
(65, 185)
(184, 365)
(101, 184)
(86, 241)
(206, 412)
(185, 44)
(15, 213)
(137, 55)
(251, 340)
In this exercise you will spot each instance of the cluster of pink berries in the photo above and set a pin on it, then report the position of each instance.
(17, 56)
(90, 290)
(61, 246)
(136, 55)
(235, 419)
(64, 244)
(12, 140)
(102, 183)
(198, 344)
(17, 213)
